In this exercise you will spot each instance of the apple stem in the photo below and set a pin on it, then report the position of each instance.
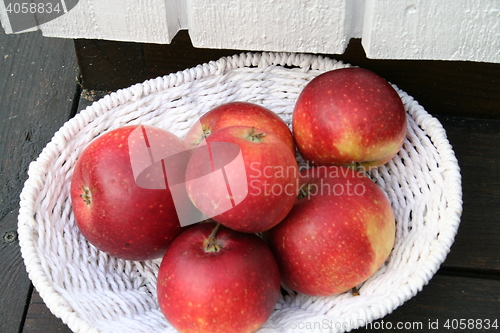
(86, 195)
(255, 137)
(214, 232)
(204, 134)
(211, 244)
(304, 190)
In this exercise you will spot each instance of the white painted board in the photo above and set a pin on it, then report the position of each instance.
(150, 21)
(317, 26)
(389, 29)
(438, 30)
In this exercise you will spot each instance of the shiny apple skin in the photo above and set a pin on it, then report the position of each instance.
(121, 218)
(349, 116)
(232, 290)
(337, 235)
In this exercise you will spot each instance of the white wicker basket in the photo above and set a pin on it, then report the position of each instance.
(92, 292)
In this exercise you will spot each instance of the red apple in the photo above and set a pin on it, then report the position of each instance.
(118, 208)
(239, 114)
(349, 116)
(338, 234)
(244, 178)
(217, 281)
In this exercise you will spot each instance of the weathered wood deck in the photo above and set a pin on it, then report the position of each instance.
(45, 81)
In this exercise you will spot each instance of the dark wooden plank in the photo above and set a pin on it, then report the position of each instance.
(475, 142)
(38, 83)
(109, 65)
(39, 319)
(444, 299)
(14, 282)
(442, 87)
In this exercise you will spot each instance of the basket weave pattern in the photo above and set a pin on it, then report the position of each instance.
(93, 292)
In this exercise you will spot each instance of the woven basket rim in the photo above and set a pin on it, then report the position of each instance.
(305, 62)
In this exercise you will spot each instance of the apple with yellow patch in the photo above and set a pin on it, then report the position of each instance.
(339, 233)
(349, 116)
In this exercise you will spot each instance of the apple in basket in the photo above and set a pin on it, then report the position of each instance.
(349, 116)
(239, 114)
(120, 198)
(244, 178)
(214, 279)
(339, 233)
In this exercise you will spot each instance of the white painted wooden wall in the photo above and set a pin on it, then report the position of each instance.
(389, 29)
